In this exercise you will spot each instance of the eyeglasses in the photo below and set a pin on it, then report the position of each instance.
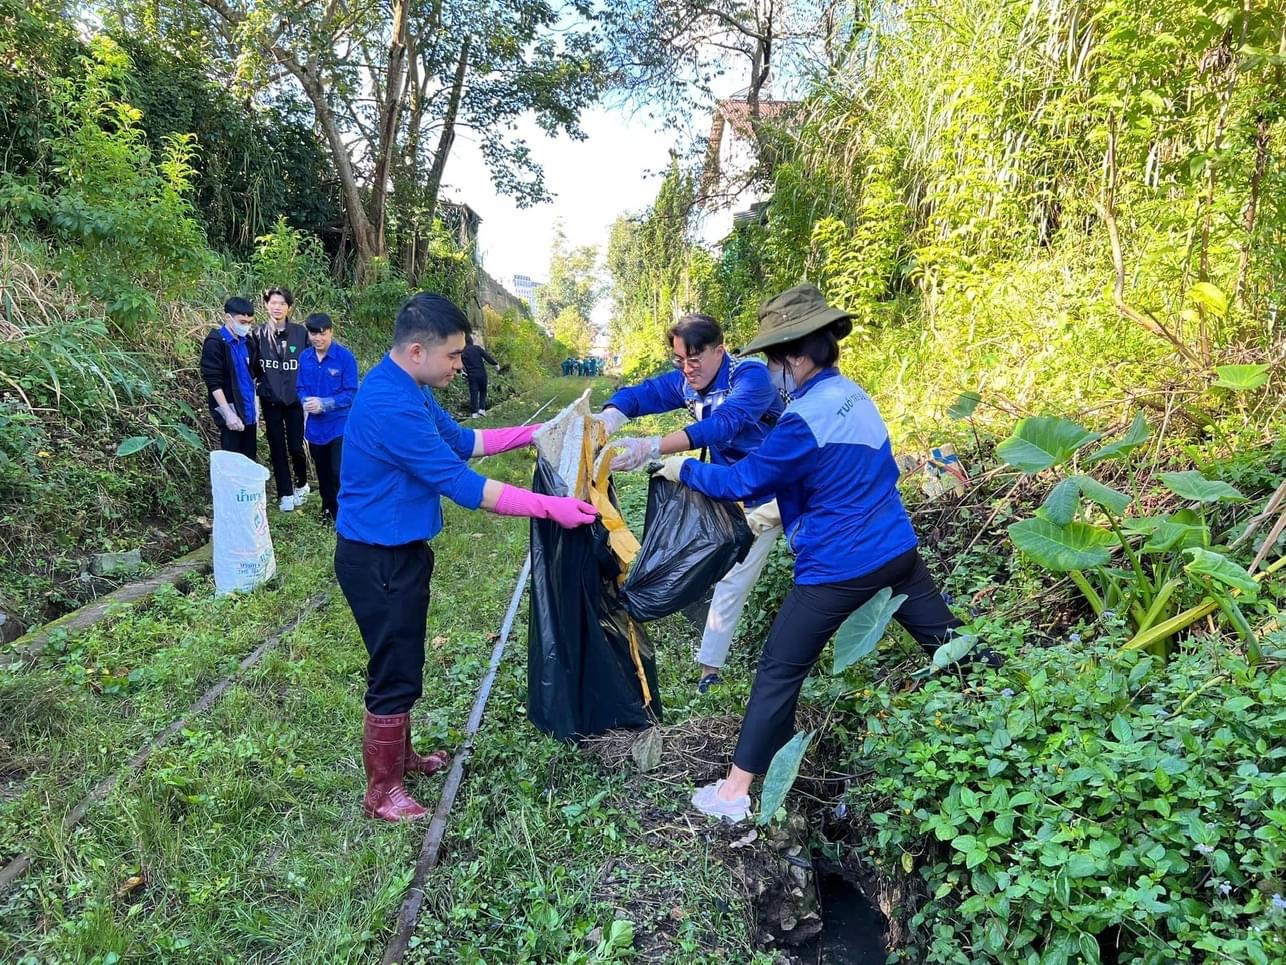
(689, 361)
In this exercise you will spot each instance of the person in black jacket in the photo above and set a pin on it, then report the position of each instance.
(226, 369)
(277, 348)
(476, 359)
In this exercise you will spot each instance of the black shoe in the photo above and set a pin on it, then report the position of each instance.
(708, 681)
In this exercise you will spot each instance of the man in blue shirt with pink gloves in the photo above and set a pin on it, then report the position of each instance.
(402, 453)
(326, 387)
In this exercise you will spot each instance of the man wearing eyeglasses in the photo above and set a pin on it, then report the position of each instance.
(733, 405)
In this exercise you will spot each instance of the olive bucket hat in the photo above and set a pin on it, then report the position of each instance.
(793, 314)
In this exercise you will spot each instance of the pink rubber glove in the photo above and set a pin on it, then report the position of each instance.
(502, 440)
(566, 511)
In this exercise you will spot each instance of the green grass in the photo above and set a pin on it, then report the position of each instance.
(243, 840)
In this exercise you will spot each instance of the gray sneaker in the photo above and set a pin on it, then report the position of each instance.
(707, 801)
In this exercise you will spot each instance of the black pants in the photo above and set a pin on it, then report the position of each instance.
(245, 442)
(387, 588)
(807, 619)
(285, 428)
(477, 392)
(326, 458)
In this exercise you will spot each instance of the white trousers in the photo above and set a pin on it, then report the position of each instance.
(730, 595)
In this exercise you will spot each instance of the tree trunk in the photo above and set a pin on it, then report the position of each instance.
(447, 138)
(390, 118)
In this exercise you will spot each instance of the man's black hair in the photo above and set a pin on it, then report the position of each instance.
(428, 318)
(236, 305)
(318, 322)
(278, 290)
(697, 332)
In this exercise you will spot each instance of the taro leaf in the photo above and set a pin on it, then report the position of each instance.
(1192, 485)
(954, 650)
(1138, 434)
(861, 632)
(188, 436)
(1110, 499)
(646, 750)
(781, 775)
(1204, 293)
(1076, 546)
(964, 405)
(1043, 441)
(1241, 378)
(1182, 530)
(1060, 505)
(1142, 525)
(1220, 569)
(132, 445)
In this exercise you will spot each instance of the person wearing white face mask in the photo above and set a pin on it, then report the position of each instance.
(226, 366)
(829, 463)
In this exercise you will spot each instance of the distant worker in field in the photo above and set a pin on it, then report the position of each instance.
(327, 384)
(402, 453)
(226, 367)
(567, 367)
(278, 346)
(733, 406)
(830, 465)
(475, 360)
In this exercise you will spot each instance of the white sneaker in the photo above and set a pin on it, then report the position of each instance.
(287, 504)
(708, 802)
(301, 493)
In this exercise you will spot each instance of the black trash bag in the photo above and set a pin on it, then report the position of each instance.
(582, 678)
(690, 542)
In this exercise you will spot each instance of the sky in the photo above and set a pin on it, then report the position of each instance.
(617, 169)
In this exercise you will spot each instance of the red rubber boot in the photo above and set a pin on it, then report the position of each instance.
(384, 756)
(415, 764)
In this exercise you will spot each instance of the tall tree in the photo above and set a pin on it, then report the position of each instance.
(568, 299)
(384, 78)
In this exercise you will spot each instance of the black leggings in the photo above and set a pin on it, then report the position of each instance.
(285, 428)
(807, 619)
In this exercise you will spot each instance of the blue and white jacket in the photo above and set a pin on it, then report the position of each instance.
(830, 464)
(733, 413)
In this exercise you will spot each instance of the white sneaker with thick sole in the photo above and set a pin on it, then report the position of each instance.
(707, 801)
(287, 504)
(301, 493)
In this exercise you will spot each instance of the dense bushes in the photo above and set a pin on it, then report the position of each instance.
(1097, 801)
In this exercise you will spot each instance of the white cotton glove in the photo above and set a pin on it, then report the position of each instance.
(231, 419)
(763, 518)
(671, 466)
(635, 451)
(612, 419)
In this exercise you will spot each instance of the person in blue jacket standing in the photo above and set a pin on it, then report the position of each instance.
(733, 406)
(829, 462)
(326, 386)
(402, 453)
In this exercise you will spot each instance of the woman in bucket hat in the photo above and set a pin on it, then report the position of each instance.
(830, 464)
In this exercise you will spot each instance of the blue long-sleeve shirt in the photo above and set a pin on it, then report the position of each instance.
(401, 454)
(732, 414)
(829, 462)
(332, 379)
